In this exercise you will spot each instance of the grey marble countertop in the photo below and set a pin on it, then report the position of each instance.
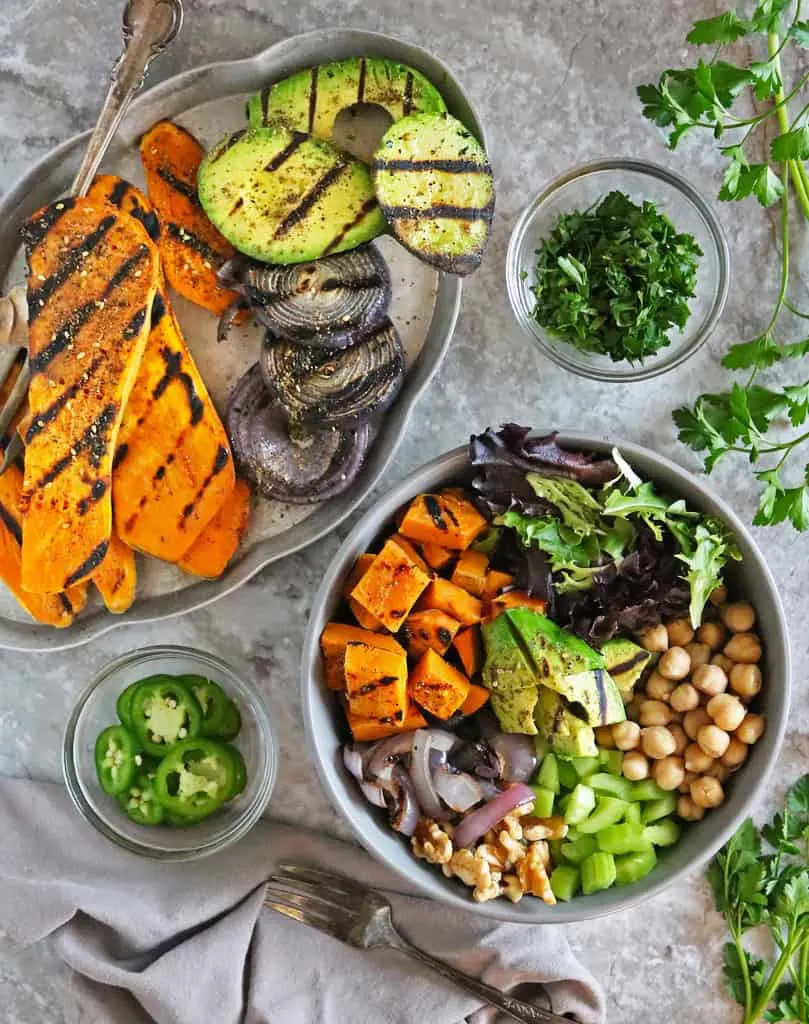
(554, 88)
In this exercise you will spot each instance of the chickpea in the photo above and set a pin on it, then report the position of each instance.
(726, 710)
(680, 632)
(685, 697)
(659, 688)
(674, 664)
(724, 662)
(657, 742)
(713, 740)
(696, 760)
(751, 729)
(694, 720)
(604, 737)
(735, 755)
(626, 735)
(710, 679)
(713, 634)
(655, 639)
(633, 707)
(719, 595)
(654, 712)
(718, 771)
(680, 738)
(744, 647)
(745, 680)
(739, 617)
(669, 772)
(685, 785)
(635, 766)
(700, 654)
(688, 810)
(707, 792)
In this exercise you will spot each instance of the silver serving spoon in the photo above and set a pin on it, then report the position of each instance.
(148, 28)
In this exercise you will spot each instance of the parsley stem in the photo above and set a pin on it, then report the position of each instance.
(754, 1013)
(774, 47)
(782, 290)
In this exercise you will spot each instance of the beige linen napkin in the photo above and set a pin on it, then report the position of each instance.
(191, 943)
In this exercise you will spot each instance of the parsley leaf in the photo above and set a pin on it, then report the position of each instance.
(760, 353)
(791, 145)
(724, 28)
(767, 15)
(754, 969)
(800, 33)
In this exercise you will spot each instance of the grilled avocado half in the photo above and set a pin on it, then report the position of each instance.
(436, 189)
(283, 196)
(309, 101)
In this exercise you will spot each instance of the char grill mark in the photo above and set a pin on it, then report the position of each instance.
(439, 210)
(458, 166)
(367, 207)
(34, 231)
(298, 138)
(120, 454)
(65, 602)
(221, 460)
(361, 82)
(119, 192)
(8, 520)
(97, 492)
(408, 94)
(68, 266)
(316, 192)
(93, 440)
(173, 361)
(312, 98)
(183, 187)
(193, 242)
(42, 419)
(89, 565)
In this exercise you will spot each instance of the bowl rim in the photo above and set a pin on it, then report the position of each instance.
(629, 373)
(267, 738)
(315, 709)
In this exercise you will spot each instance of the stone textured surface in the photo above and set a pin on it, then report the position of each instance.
(554, 87)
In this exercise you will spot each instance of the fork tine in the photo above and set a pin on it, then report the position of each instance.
(338, 883)
(319, 921)
(11, 452)
(313, 895)
(16, 397)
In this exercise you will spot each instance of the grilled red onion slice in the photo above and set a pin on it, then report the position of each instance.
(478, 758)
(458, 790)
(403, 804)
(352, 759)
(295, 466)
(384, 752)
(373, 794)
(422, 776)
(477, 823)
(518, 756)
(332, 302)
(331, 387)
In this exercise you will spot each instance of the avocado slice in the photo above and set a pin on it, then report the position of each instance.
(567, 734)
(555, 652)
(436, 189)
(594, 693)
(626, 662)
(509, 677)
(310, 100)
(285, 197)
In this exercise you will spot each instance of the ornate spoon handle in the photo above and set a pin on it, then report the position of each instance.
(148, 28)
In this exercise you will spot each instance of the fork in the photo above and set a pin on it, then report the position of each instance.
(361, 917)
(147, 29)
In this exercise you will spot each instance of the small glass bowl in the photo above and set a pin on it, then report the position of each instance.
(581, 188)
(95, 709)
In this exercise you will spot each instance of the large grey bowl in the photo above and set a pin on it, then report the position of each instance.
(326, 729)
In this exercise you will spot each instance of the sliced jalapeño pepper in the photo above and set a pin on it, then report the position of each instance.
(213, 701)
(164, 712)
(124, 704)
(231, 723)
(240, 771)
(116, 751)
(139, 801)
(195, 778)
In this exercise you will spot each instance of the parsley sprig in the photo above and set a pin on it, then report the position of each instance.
(760, 879)
(750, 419)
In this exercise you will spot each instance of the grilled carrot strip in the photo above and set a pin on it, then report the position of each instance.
(92, 276)
(190, 246)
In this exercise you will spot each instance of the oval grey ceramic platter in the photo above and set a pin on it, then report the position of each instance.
(210, 101)
(326, 730)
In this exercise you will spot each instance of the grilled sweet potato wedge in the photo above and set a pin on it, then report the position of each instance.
(56, 610)
(116, 578)
(109, 188)
(190, 246)
(211, 552)
(92, 276)
(173, 466)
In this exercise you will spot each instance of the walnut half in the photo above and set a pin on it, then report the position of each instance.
(431, 843)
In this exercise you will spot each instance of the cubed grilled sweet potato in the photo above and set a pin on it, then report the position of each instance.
(516, 599)
(468, 645)
(495, 582)
(431, 628)
(449, 598)
(366, 730)
(444, 519)
(475, 699)
(376, 682)
(333, 642)
(437, 686)
(436, 556)
(391, 586)
(470, 572)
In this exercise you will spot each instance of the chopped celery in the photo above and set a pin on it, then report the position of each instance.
(548, 774)
(567, 774)
(555, 846)
(623, 838)
(612, 785)
(608, 811)
(565, 882)
(633, 814)
(654, 810)
(579, 804)
(662, 833)
(585, 765)
(611, 760)
(578, 849)
(634, 866)
(597, 872)
(543, 802)
(646, 789)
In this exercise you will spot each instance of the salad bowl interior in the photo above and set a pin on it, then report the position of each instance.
(327, 731)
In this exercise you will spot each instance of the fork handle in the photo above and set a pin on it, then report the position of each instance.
(148, 28)
(516, 1008)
